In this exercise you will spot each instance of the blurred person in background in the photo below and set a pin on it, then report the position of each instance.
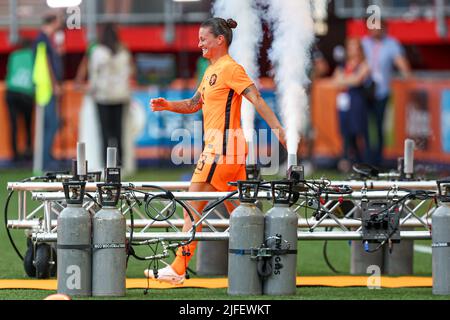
(352, 104)
(223, 159)
(110, 70)
(48, 77)
(83, 67)
(319, 69)
(89, 130)
(20, 95)
(383, 53)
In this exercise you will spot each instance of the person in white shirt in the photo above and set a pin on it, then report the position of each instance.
(110, 70)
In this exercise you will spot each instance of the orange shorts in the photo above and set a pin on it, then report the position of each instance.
(218, 170)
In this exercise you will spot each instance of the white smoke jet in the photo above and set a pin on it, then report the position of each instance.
(244, 49)
(293, 35)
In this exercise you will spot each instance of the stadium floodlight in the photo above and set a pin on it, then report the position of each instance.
(63, 3)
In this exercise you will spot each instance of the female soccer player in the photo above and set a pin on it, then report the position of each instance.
(219, 96)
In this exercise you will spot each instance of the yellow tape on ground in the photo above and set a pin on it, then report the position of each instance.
(217, 283)
(363, 281)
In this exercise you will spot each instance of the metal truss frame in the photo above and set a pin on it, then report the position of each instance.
(42, 221)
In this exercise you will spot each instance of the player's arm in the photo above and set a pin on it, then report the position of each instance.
(403, 65)
(355, 79)
(182, 106)
(400, 60)
(253, 95)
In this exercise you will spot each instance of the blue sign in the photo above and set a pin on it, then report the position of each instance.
(445, 121)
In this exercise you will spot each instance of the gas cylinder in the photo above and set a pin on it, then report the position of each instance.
(246, 236)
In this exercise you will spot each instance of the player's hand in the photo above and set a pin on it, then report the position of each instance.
(159, 104)
(283, 140)
(281, 135)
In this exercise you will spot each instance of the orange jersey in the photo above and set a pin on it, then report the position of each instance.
(221, 89)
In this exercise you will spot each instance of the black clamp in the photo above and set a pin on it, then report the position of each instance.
(248, 190)
(443, 189)
(282, 191)
(109, 193)
(74, 191)
(112, 175)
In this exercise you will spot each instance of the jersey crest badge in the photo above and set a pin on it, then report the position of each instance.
(213, 79)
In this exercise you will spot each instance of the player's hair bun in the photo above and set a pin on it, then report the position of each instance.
(231, 23)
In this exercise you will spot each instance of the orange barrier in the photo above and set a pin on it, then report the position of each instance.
(65, 140)
(414, 111)
(324, 117)
(217, 283)
(418, 103)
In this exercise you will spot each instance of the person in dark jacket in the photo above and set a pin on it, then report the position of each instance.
(52, 22)
(20, 95)
(352, 105)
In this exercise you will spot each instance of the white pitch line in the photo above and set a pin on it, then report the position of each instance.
(422, 249)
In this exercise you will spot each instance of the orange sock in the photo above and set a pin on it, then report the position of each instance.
(180, 264)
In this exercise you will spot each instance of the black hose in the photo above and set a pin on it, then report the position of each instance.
(157, 217)
(129, 248)
(211, 205)
(214, 204)
(130, 242)
(169, 195)
(325, 255)
(11, 240)
(93, 199)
